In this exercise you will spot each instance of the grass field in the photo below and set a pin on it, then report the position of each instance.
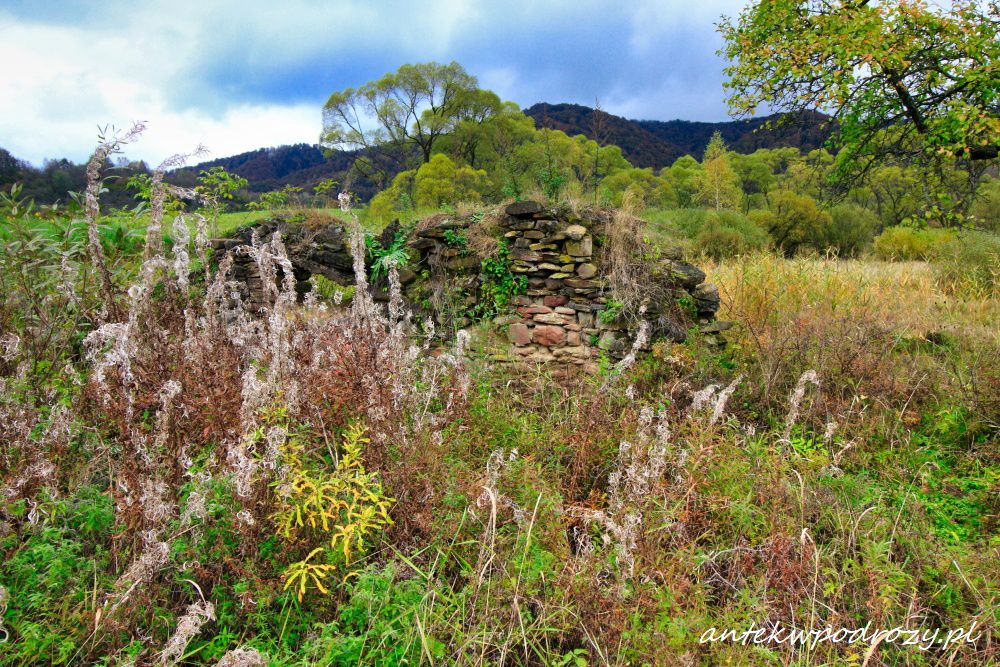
(189, 485)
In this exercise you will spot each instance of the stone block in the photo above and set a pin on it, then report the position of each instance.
(706, 298)
(520, 209)
(575, 351)
(548, 335)
(549, 318)
(586, 270)
(522, 255)
(686, 275)
(556, 300)
(582, 248)
(519, 334)
(462, 263)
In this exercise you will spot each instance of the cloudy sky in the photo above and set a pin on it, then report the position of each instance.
(236, 76)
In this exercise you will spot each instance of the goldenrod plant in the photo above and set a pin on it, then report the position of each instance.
(346, 506)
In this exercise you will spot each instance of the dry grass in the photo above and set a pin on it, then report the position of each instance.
(905, 296)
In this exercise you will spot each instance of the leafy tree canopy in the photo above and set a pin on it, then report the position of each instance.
(903, 78)
(402, 115)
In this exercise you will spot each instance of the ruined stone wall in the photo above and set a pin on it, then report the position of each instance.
(567, 312)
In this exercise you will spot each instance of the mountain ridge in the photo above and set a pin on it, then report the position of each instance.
(657, 143)
(644, 143)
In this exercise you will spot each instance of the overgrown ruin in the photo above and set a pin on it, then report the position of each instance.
(562, 286)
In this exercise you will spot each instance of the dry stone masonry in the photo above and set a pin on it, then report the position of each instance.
(569, 312)
(565, 310)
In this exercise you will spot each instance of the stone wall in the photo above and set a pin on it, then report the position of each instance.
(320, 249)
(567, 312)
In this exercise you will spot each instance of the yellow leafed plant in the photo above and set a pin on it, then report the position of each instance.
(346, 507)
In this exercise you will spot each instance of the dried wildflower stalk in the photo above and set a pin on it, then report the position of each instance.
(795, 402)
(92, 209)
(197, 615)
(638, 473)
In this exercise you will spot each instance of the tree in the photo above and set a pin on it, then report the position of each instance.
(10, 167)
(717, 184)
(440, 182)
(903, 78)
(755, 176)
(649, 190)
(400, 116)
(683, 175)
(219, 186)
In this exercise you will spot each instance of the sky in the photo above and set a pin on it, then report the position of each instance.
(236, 76)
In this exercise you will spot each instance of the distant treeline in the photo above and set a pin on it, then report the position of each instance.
(643, 143)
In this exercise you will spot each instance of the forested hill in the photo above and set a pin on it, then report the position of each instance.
(655, 143)
(645, 143)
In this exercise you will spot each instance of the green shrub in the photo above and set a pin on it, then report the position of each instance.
(499, 285)
(970, 262)
(852, 229)
(795, 221)
(688, 220)
(906, 243)
(727, 234)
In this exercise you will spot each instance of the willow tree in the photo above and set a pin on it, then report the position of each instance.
(399, 118)
(903, 79)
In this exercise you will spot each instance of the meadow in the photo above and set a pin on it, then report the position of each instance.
(189, 482)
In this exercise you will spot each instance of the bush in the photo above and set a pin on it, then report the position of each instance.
(970, 263)
(795, 221)
(908, 244)
(852, 229)
(727, 234)
(688, 220)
